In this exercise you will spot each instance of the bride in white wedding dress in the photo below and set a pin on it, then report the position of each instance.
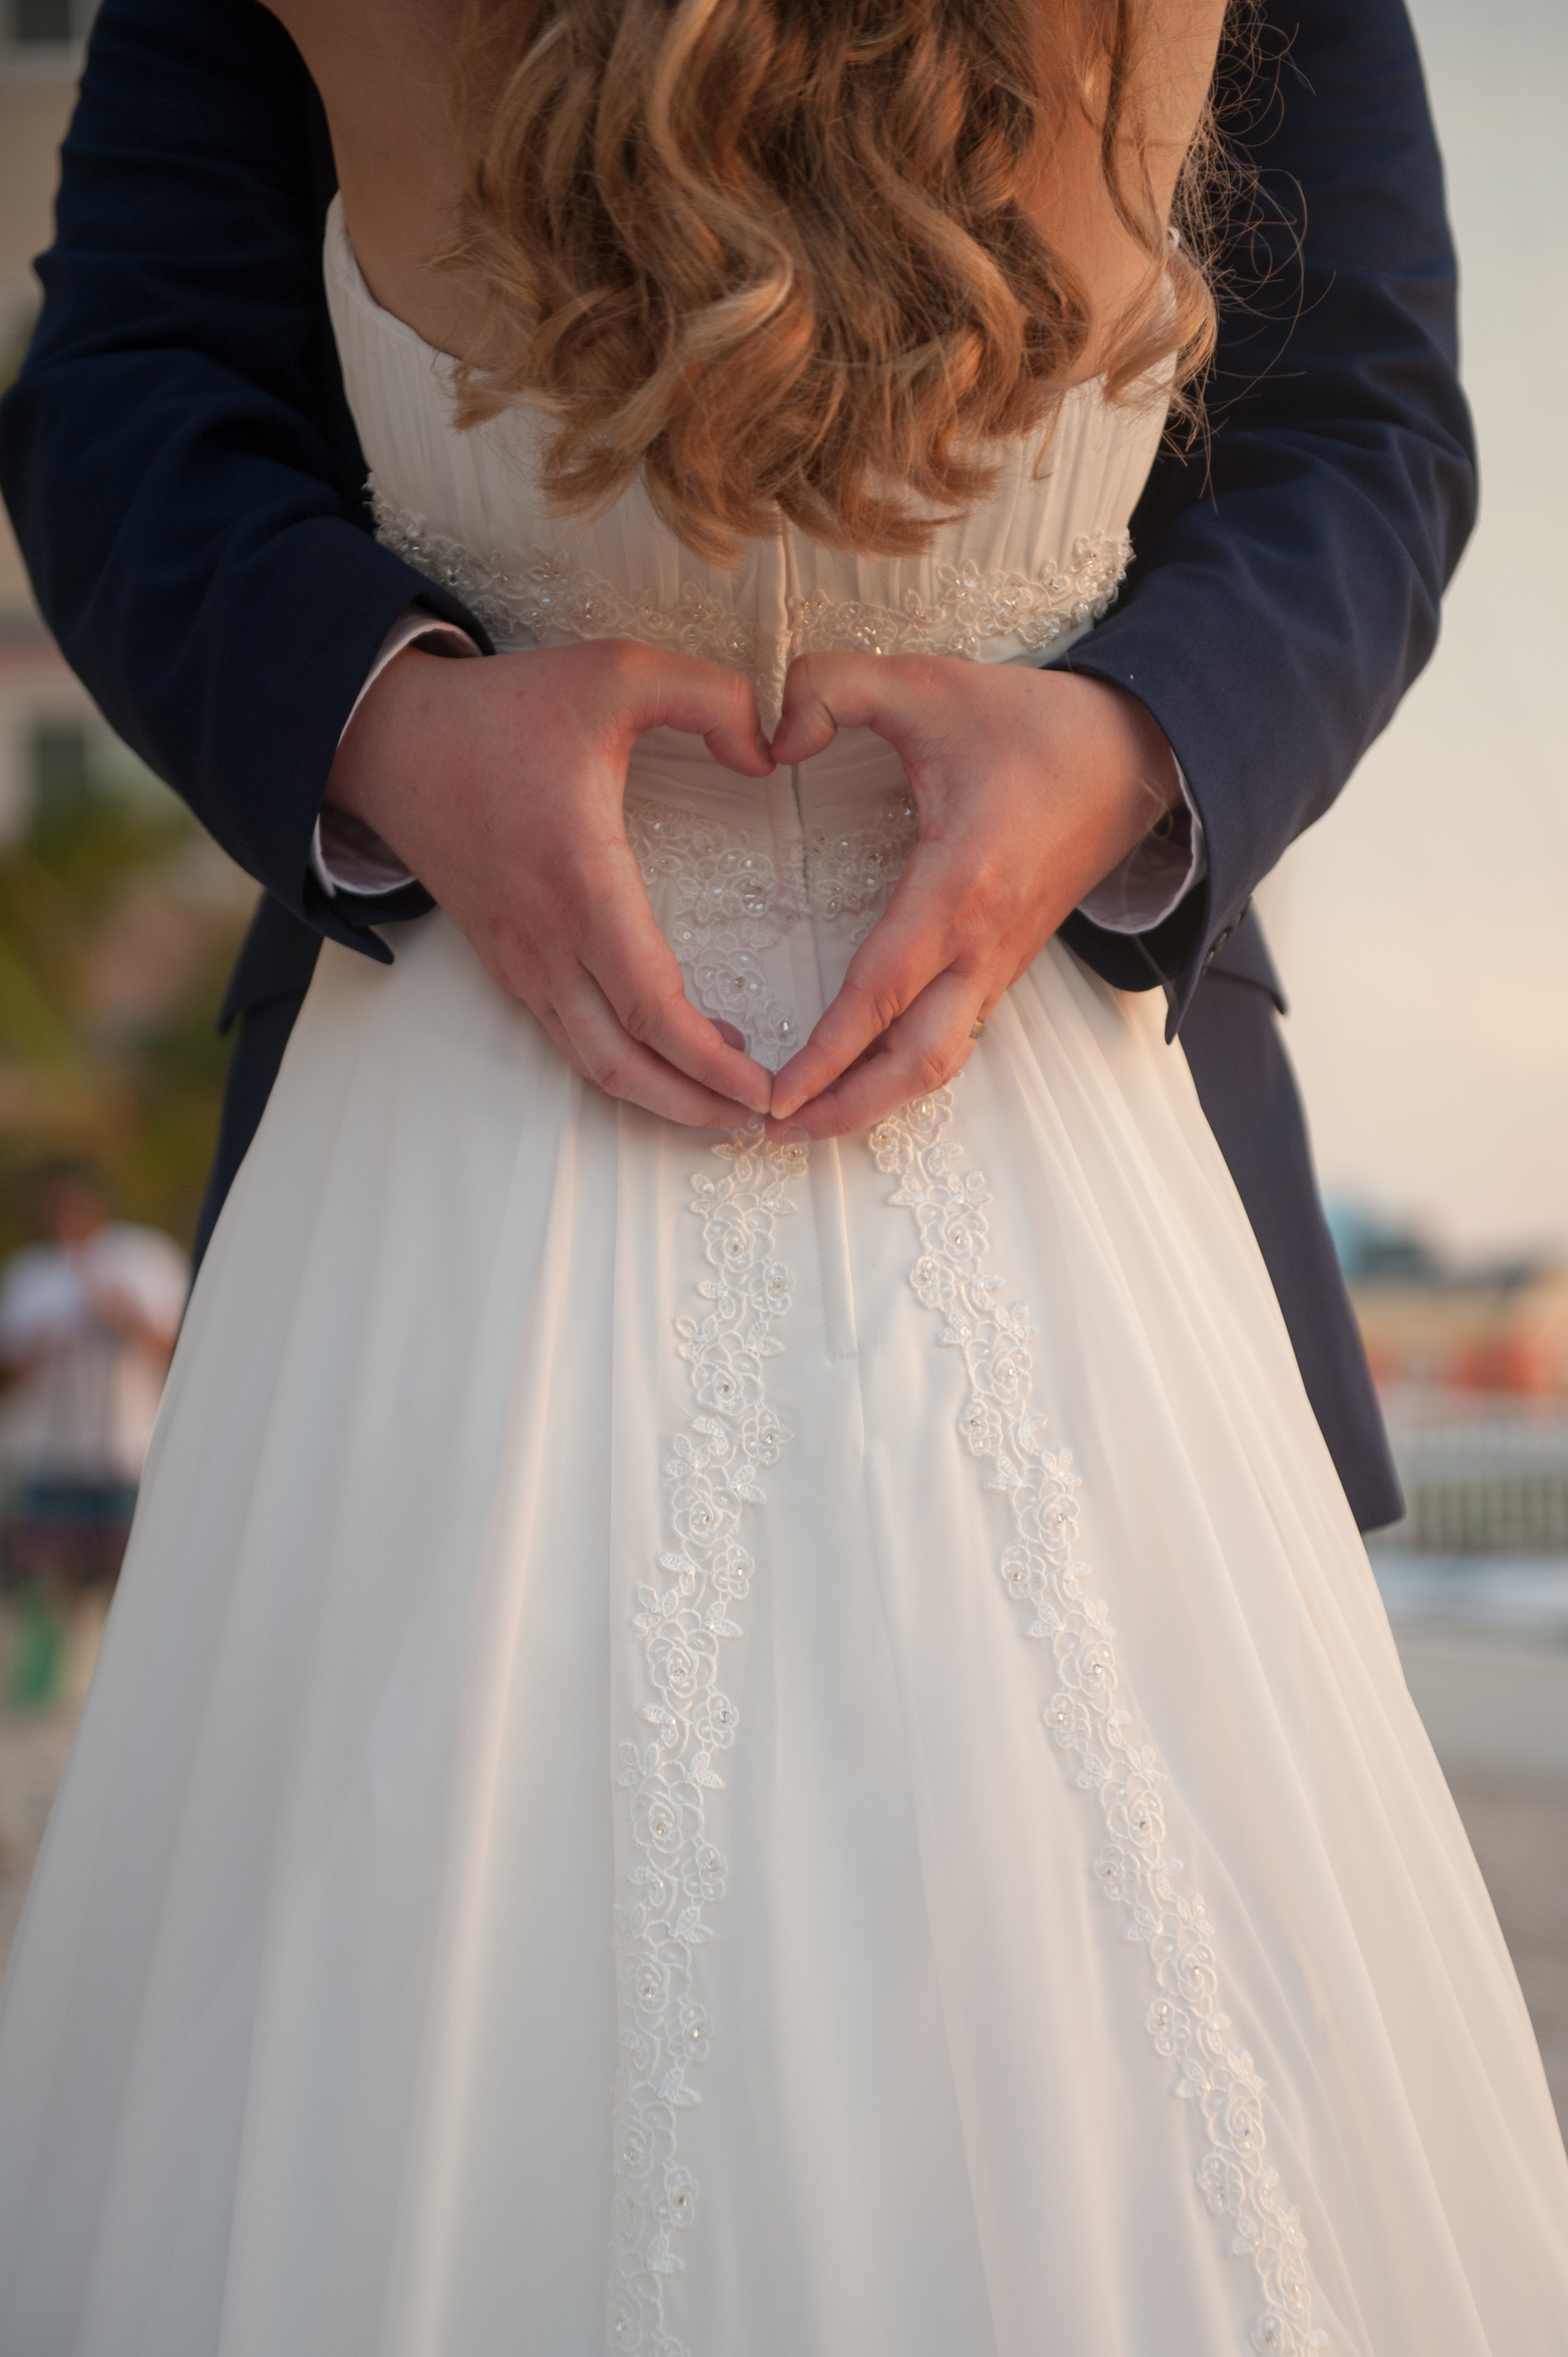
(746, 1749)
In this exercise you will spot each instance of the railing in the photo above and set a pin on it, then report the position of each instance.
(1487, 1483)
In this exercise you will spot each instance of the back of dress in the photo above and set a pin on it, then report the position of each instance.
(1015, 578)
(711, 1749)
(735, 869)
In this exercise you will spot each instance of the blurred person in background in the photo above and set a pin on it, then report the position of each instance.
(88, 1321)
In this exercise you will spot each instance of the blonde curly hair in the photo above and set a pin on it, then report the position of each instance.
(776, 255)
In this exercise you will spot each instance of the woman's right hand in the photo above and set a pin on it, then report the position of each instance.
(501, 785)
(1030, 785)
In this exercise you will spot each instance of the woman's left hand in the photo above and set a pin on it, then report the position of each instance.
(1030, 785)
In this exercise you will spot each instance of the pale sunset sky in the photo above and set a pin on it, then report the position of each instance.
(1421, 928)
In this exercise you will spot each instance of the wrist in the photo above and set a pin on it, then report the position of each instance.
(1162, 852)
(1151, 780)
(364, 781)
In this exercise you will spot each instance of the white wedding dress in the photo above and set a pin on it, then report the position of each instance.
(615, 1811)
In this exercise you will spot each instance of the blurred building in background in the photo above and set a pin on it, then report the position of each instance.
(1431, 1321)
(1485, 1331)
(1472, 1364)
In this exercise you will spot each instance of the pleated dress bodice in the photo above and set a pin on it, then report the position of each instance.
(763, 891)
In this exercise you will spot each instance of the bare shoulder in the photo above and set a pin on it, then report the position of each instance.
(377, 64)
(1160, 107)
(384, 71)
(1175, 74)
(383, 68)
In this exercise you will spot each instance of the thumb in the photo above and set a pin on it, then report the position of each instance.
(707, 700)
(814, 687)
(823, 694)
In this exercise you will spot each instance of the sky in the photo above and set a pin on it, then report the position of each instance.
(1422, 927)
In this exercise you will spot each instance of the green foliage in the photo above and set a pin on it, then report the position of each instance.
(88, 841)
(35, 1031)
(36, 1663)
(141, 1100)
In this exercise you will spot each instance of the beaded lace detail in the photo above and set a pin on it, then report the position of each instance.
(1134, 1866)
(725, 904)
(545, 591)
(971, 606)
(851, 872)
(710, 1476)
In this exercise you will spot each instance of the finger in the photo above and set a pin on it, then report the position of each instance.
(635, 967)
(922, 1051)
(701, 699)
(914, 941)
(584, 1025)
(808, 721)
(823, 694)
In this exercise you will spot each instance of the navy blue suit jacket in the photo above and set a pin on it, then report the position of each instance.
(188, 488)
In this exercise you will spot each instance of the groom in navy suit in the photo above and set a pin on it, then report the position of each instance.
(189, 491)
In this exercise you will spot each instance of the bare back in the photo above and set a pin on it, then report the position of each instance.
(384, 76)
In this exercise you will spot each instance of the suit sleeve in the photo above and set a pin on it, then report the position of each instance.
(176, 452)
(1288, 576)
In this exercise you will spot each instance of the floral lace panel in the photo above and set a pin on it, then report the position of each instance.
(971, 606)
(850, 875)
(1134, 1864)
(724, 906)
(546, 591)
(710, 1476)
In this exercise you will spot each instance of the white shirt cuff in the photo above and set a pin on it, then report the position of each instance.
(346, 855)
(1156, 875)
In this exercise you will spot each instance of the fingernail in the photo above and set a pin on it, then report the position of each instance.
(764, 748)
(793, 1135)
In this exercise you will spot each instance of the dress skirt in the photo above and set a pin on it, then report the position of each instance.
(727, 1752)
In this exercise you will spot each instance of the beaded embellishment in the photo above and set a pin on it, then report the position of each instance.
(531, 595)
(1134, 1864)
(712, 1475)
(725, 904)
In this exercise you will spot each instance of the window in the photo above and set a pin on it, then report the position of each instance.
(41, 20)
(63, 782)
(44, 24)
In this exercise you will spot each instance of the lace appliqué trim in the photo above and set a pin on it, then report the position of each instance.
(548, 592)
(850, 875)
(725, 905)
(968, 608)
(710, 1476)
(972, 607)
(1132, 1866)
